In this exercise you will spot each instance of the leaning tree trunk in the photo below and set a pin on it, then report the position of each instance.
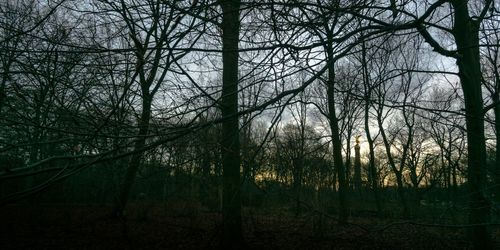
(466, 34)
(232, 237)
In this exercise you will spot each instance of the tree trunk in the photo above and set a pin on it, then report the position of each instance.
(232, 237)
(348, 164)
(5, 78)
(466, 33)
(497, 149)
(135, 160)
(297, 185)
(357, 168)
(371, 167)
(496, 109)
(392, 163)
(205, 179)
(337, 144)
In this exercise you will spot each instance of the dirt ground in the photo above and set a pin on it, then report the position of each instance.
(157, 227)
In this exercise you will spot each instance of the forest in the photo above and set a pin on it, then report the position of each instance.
(258, 124)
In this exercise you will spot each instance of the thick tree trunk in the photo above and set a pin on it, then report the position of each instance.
(466, 33)
(232, 237)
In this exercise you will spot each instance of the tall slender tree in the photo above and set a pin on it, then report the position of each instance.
(232, 237)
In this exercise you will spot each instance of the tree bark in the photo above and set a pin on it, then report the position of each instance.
(232, 237)
(466, 34)
(337, 144)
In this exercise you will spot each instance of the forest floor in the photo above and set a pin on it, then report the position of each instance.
(186, 227)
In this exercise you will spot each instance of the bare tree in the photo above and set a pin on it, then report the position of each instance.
(166, 27)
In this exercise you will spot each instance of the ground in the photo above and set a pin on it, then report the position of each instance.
(186, 227)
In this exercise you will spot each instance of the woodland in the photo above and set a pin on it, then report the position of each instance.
(258, 124)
